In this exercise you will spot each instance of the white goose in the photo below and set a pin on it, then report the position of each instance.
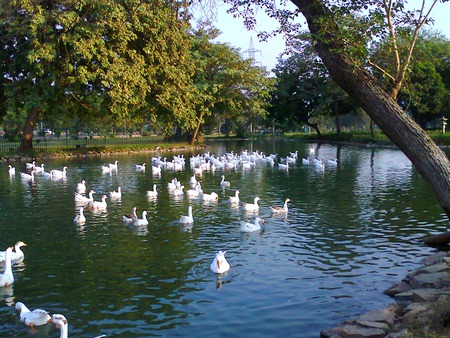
(187, 219)
(113, 166)
(106, 169)
(27, 177)
(100, 205)
(234, 199)
(250, 227)
(16, 254)
(7, 277)
(40, 169)
(31, 165)
(11, 170)
(252, 206)
(131, 217)
(141, 221)
(152, 193)
(59, 173)
(193, 181)
(61, 322)
(156, 170)
(225, 184)
(220, 263)
(210, 197)
(140, 167)
(83, 199)
(81, 187)
(196, 192)
(276, 209)
(36, 317)
(116, 194)
(80, 218)
(284, 167)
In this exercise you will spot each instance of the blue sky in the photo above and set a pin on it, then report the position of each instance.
(234, 32)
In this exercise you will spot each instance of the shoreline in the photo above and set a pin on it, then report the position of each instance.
(421, 307)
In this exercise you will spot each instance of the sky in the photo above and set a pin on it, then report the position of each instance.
(266, 53)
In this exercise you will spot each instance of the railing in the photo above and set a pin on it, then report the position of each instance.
(54, 143)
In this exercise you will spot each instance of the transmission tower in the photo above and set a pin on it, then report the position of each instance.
(251, 51)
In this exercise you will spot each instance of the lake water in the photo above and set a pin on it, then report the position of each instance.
(351, 232)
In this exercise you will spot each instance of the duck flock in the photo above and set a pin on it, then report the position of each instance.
(84, 200)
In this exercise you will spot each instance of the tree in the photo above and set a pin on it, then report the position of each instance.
(125, 59)
(225, 83)
(350, 75)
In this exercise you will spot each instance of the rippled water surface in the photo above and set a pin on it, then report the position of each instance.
(351, 232)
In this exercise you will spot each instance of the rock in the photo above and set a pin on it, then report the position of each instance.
(428, 295)
(430, 280)
(398, 288)
(438, 239)
(384, 316)
(377, 325)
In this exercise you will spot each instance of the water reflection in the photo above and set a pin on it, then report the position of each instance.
(352, 229)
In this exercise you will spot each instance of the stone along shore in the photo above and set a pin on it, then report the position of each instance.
(421, 308)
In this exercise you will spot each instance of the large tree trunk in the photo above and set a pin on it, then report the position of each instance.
(27, 137)
(429, 160)
(197, 128)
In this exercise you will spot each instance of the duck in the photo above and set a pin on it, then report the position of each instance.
(283, 166)
(16, 254)
(187, 219)
(306, 161)
(11, 170)
(140, 167)
(332, 162)
(81, 187)
(129, 218)
(7, 277)
(37, 317)
(156, 170)
(60, 321)
(79, 198)
(141, 221)
(100, 204)
(178, 191)
(234, 199)
(252, 206)
(152, 193)
(220, 263)
(113, 166)
(40, 169)
(196, 191)
(80, 218)
(31, 165)
(210, 197)
(116, 194)
(225, 184)
(106, 169)
(27, 177)
(251, 227)
(193, 181)
(59, 173)
(276, 209)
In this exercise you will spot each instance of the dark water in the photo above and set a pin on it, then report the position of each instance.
(351, 232)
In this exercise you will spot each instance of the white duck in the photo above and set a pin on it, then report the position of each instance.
(225, 184)
(83, 199)
(16, 254)
(234, 199)
(252, 206)
(80, 218)
(100, 205)
(31, 165)
(27, 177)
(152, 193)
(187, 219)
(61, 322)
(140, 167)
(210, 197)
(156, 170)
(11, 170)
(283, 166)
(40, 169)
(59, 173)
(196, 192)
(193, 181)
(106, 169)
(141, 221)
(276, 209)
(36, 317)
(113, 166)
(81, 187)
(116, 194)
(131, 217)
(250, 227)
(7, 277)
(220, 263)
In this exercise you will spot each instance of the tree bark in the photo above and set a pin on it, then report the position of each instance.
(429, 160)
(197, 128)
(27, 137)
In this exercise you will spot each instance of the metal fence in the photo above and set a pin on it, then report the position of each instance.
(54, 143)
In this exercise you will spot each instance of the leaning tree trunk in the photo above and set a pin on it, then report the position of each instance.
(27, 137)
(197, 128)
(429, 160)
